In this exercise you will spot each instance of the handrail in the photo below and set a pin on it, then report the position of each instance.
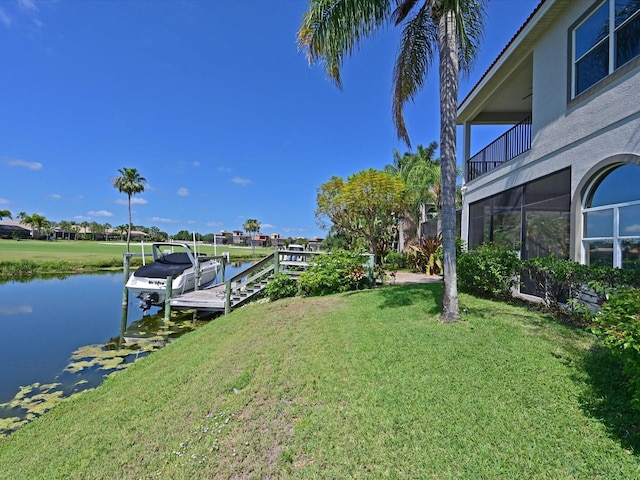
(507, 146)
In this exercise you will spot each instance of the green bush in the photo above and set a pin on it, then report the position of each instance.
(339, 271)
(427, 256)
(488, 270)
(395, 261)
(582, 287)
(618, 325)
(282, 286)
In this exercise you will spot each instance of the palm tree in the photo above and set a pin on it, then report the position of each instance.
(5, 214)
(130, 182)
(36, 221)
(448, 29)
(421, 173)
(252, 226)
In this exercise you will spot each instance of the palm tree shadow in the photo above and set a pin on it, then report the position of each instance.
(609, 400)
(405, 295)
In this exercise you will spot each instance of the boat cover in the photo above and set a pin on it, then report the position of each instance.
(169, 265)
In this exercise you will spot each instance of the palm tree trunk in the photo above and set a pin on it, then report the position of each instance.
(448, 104)
(129, 229)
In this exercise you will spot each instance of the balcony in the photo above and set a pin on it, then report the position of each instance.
(509, 145)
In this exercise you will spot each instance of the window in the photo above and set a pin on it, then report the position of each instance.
(532, 219)
(611, 220)
(604, 41)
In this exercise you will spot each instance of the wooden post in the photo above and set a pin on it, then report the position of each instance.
(227, 301)
(197, 279)
(276, 262)
(125, 293)
(167, 299)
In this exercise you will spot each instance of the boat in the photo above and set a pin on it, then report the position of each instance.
(171, 259)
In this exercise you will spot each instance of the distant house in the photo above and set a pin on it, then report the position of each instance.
(240, 238)
(14, 229)
(564, 179)
(277, 241)
(260, 240)
(315, 244)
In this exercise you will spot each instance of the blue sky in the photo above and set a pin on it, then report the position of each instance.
(210, 100)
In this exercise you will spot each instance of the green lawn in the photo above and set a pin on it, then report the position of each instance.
(63, 256)
(361, 385)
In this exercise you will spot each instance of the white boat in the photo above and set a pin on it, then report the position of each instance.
(175, 260)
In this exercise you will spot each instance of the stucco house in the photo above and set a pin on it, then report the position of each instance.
(565, 178)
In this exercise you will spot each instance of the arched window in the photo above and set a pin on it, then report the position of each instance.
(611, 219)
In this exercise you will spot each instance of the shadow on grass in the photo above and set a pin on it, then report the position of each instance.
(405, 295)
(609, 401)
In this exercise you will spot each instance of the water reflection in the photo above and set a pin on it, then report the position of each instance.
(62, 336)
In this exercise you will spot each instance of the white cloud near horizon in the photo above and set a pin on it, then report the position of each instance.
(100, 213)
(241, 181)
(182, 192)
(4, 201)
(266, 225)
(161, 220)
(134, 201)
(633, 228)
(213, 224)
(55, 196)
(24, 164)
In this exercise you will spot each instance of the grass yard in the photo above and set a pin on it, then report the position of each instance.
(64, 256)
(361, 385)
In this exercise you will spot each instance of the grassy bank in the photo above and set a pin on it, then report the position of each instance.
(361, 385)
(35, 258)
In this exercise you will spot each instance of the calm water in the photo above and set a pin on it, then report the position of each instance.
(42, 322)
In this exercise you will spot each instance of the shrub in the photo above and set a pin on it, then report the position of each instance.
(427, 256)
(282, 286)
(618, 325)
(395, 260)
(488, 270)
(339, 271)
(582, 287)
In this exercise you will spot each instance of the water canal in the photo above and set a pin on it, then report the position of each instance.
(61, 336)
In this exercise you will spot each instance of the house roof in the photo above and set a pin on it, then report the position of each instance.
(503, 93)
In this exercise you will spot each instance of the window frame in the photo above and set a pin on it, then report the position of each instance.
(610, 38)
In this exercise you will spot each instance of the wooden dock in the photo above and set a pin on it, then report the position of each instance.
(246, 285)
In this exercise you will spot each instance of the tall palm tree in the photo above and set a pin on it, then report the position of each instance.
(448, 29)
(130, 182)
(421, 173)
(5, 214)
(252, 226)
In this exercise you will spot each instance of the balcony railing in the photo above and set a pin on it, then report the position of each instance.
(510, 144)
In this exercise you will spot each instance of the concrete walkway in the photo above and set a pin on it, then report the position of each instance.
(403, 278)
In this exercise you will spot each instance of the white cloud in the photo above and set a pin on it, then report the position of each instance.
(213, 224)
(182, 192)
(100, 213)
(134, 201)
(81, 218)
(55, 196)
(24, 164)
(224, 169)
(161, 220)
(241, 181)
(27, 5)
(633, 228)
(16, 310)
(266, 225)
(4, 201)
(4, 18)
(196, 164)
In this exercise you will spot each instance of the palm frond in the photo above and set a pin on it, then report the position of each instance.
(332, 29)
(416, 53)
